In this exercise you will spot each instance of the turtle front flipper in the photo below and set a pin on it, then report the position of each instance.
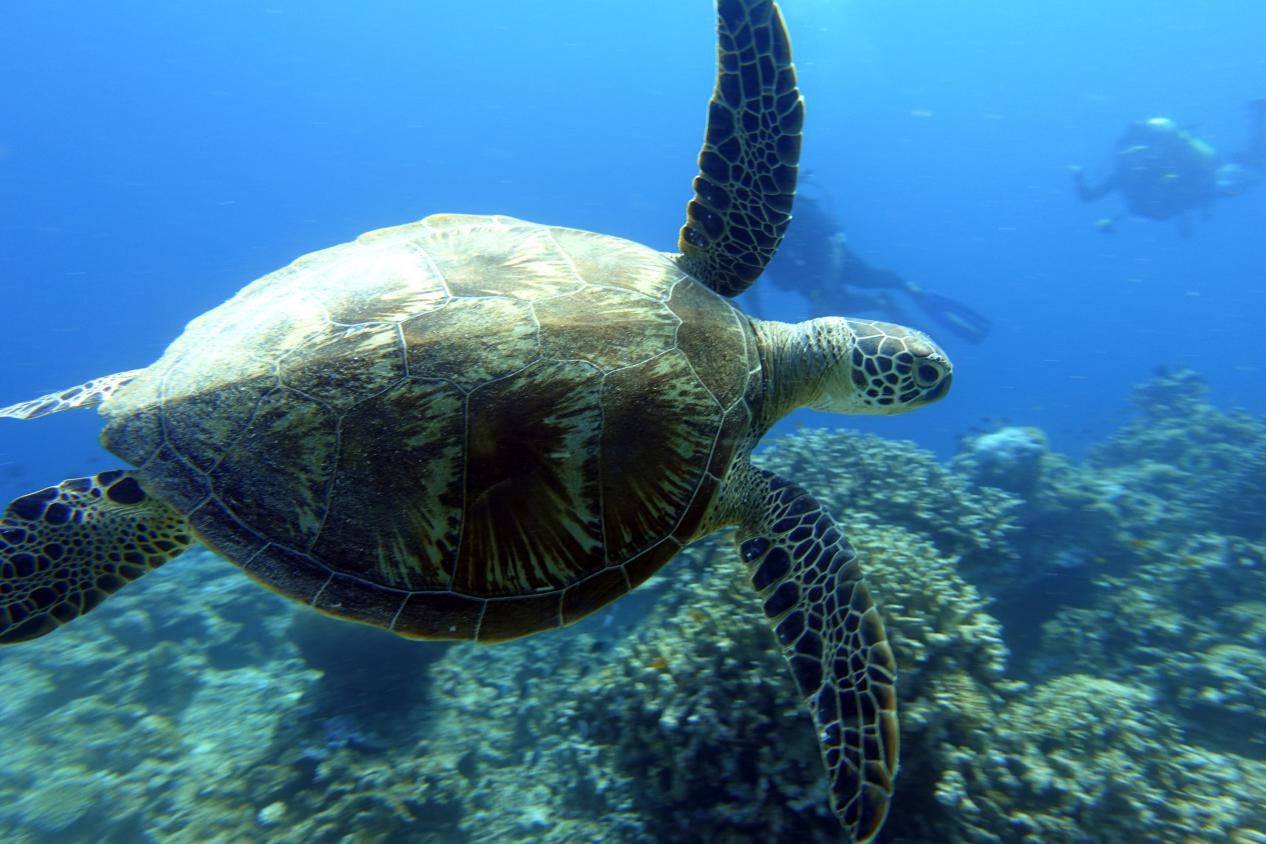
(751, 151)
(64, 549)
(822, 613)
(88, 394)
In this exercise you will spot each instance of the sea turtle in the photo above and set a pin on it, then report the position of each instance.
(478, 428)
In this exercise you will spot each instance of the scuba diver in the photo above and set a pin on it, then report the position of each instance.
(815, 261)
(1163, 171)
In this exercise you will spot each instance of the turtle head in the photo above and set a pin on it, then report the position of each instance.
(877, 367)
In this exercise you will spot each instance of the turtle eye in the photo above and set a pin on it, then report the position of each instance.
(927, 374)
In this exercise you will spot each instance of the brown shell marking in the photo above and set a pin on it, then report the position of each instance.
(496, 429)
(532, 522)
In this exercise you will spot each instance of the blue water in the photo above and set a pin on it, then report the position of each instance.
(155, 157)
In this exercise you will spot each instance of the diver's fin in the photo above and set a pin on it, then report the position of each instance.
(955, 316)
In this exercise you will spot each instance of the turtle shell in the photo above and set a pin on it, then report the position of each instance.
(461, 428)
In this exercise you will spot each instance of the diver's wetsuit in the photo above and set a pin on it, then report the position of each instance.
(1163, 171)
(815, 261)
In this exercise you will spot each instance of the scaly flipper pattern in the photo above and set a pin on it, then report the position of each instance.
(64, 549)
(822, 613)
(88, 394)
(751, 151)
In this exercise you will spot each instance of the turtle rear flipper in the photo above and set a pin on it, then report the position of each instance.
(64, 549)
(89, 394)
(822, 613)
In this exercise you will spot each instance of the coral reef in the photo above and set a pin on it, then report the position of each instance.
(1189, 622)
(131, 724)
(1062, 531)
(1009, 458)
(1098, 759)
(1183, 464)
(1180, 466)
(896, 483)
(1081, 654)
